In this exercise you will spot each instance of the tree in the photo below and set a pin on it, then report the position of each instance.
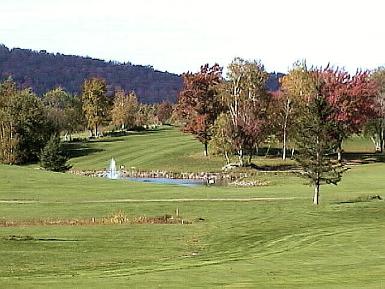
(95, 103)
(164, 111)
(289, 101)
(376, 127)
(73, 116)
(198, 104)
(221, 137)
(316, 142)
(24, 125)
(145, 115)
(246, 100)
(8, 136)
(125, 109)
(52, 156)
(64, 111)
(352, 99)
(33, 126)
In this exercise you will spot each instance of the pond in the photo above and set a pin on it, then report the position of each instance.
(180, 182)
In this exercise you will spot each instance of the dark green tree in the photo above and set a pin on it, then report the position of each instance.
(53, 157)
(24, 126)
(64, 111)
(316, 144)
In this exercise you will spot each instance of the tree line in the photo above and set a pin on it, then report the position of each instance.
(29, 123)
(314, 111)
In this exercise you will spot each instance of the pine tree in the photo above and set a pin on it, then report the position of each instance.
(52, 156)
(316, 143)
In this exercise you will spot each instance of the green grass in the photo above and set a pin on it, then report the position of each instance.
(277, 243)
(165, 148)
(264, 244)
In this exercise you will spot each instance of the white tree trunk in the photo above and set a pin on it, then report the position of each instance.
(316, 194)
(339, 155)
(240, 153)
(284, 145)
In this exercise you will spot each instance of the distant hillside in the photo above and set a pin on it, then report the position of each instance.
(43, 71)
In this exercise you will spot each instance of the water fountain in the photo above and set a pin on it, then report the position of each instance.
(112, 173)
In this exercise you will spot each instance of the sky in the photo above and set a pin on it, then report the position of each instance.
(179, 36)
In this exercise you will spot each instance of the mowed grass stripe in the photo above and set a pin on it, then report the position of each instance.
(137, 150)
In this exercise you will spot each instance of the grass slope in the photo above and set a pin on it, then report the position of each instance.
(165, 148)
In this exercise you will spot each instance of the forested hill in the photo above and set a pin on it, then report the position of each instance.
(43, 71)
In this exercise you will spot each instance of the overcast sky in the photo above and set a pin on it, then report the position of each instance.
(179, 35)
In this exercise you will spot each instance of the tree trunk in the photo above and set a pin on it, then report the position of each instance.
(339, 151)
(316, 194)
(284, 140)
(267, 151)
(227, 158)
(96, 130)
(240, 156)
(382, 132)
(292, 152)
(206, 153)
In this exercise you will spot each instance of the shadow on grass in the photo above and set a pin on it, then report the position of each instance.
(30, 238)
(80, 149)
(364, 198)
(116, 136)
(363, 157)
(279, 167)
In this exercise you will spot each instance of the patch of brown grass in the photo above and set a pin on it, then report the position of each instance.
(118, 217)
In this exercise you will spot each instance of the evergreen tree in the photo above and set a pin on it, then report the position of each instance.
(316, 143)
(52, 156)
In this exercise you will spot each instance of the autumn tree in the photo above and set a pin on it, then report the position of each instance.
(8, 136)
(198, 104)
(289, 101)
(221, 141)
(125, 109)
(316, 142)
(95, 103)
(246, 100)
(164, 111)
(352, 99)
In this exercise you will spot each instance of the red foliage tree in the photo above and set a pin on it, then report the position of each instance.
(352, 99)
(198, 104)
